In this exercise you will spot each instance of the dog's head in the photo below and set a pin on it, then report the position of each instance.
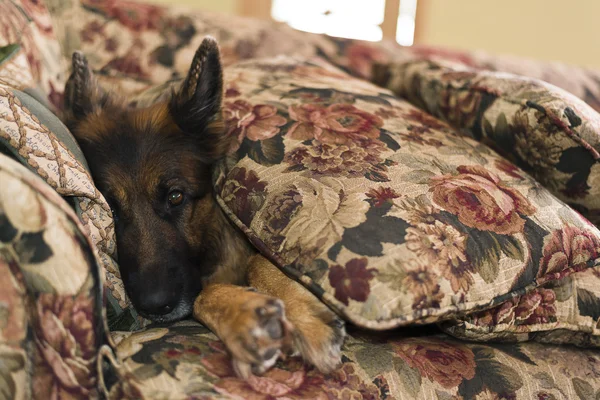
(153, 167)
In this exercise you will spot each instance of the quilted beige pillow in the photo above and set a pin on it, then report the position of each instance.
(382, 210)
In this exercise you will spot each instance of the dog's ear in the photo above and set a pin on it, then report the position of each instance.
(196, 106)
(82, 95)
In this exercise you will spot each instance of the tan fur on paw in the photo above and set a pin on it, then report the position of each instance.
(252, 325)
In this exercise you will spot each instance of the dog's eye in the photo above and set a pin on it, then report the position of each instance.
(175, 198)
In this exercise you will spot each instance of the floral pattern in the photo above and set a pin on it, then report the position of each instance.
(564, 311)
(186, 361)
(335, 124)
(253, 122)
(351, 281)
(446, 364)
(346, 200)
(28, 23)
(480, 200)
(467, 220)
(58, 320)
(66, 347)
(544, 130)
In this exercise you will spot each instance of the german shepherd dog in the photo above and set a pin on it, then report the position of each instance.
(178, 253)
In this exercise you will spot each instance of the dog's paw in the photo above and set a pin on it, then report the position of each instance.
(259, 335)
(319, 336)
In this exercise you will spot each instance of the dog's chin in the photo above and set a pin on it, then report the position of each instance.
(182, 311)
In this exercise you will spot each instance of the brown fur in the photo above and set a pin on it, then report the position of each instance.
(176, 259)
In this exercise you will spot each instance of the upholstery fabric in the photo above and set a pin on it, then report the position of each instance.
(134, 47)
(37, 59)
(53, 330)
(51, 307)
(382, 210)
(137, 45)
(185, 360)
(566, 311)
(547, 131)
(46, 146)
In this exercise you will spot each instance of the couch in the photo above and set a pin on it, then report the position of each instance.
(67, 330)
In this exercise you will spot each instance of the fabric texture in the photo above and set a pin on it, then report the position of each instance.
(566, 311)
(134, 46)
(383, 211)
(314, 146)
(54, 156)
(51, 308)
(36, 60)
(185, 360)
(547, 131)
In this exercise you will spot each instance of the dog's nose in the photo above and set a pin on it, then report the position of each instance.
(158, 303)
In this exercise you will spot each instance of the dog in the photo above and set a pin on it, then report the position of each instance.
(178, 253)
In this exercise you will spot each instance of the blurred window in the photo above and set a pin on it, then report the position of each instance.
(353, 19)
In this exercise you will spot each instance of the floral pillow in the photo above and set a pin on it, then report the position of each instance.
(383, 211)
(564, 311)
(545, 130)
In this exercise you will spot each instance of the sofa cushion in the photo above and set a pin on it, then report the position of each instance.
(51, 301)
(386, 213)
(545, 130)
(185, 360)
(564, 311)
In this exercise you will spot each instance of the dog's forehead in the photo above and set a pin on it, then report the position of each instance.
(138, 151)
(150, 168)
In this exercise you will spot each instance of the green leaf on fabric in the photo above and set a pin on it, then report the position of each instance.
(9, 51)
(588, 304)
(514, 351)
(366, 239)
(148, 371)
(389, 141)
(266, 152)
(376, 175)
(501, 378)
(511, 247)
(10, 362)
(544, 379)
(7, 230)
(32, 248)
(395, 278)
(419, 176)
(563, 288)
(375, 359)
(411, 160)
(36, 281)
(584, 390)
(500, 134)
(534, 237)
(317, 269)
(334, 251)
(490, 373)
(484, 252)
(410, 377)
